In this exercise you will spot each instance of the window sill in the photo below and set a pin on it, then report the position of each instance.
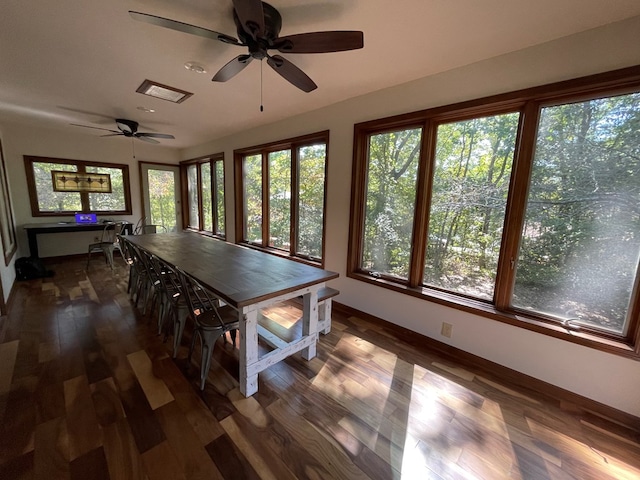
(205, 233)
(485, 309)
(283, 254)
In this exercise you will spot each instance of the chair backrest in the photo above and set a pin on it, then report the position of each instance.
(168, 277)
(199, 299)
(141, 262)
(112, 231)
(145, 229)
(127, 250)
(138, 226)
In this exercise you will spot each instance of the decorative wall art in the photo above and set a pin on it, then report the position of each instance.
(81, 182)
(7, 227)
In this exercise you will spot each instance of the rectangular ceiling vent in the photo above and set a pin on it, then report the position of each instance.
(164, 92)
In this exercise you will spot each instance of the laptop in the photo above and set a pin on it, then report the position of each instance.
(86, 218)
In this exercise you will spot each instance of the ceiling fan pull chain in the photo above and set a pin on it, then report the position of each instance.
(261, 107)
(133, 148)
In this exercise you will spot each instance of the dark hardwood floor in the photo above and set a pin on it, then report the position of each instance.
(89, 391)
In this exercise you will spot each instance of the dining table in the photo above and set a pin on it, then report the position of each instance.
(248, 280)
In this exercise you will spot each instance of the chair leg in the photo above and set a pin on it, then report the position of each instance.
(108, 252)
(196, 333)
(208, 344)
(178, 330)
(205, 364)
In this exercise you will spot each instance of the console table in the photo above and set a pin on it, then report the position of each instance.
(34, 229)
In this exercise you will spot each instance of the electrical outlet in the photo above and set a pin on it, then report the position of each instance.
(446, 330)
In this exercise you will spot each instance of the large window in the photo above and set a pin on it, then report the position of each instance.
(47, 202)
(280, 196)
(523, 207)
(204, 181)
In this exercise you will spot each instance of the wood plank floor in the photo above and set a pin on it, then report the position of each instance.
(89, 391)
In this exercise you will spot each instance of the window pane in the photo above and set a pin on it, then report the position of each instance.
(114, 201)
(219, 187)
(252, 166)
(192, 190)
(311, 199)
(207, 199)
(48, 200)
(390, 201)
(280, 199)
(162, 198)
(468, 200)
(581, 236)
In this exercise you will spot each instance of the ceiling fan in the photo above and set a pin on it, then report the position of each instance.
(258, 26)
(129, 128)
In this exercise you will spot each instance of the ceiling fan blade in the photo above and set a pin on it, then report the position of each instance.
(291, 73)
(251, 16)
(155, 135)
(112, 134)
(147, 139)
(232, 68)
(183, 27)
(95, 128)
(320, 42)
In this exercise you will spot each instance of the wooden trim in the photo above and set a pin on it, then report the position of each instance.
(528, 102)
(532, 385)
(238, 190)
(516, 204)
(264, 150)
(29, 160)
(266, 201)
(623, 80)
(294, 214)
(422, 205)
(184, 165)
(283, 144)
(324, 201)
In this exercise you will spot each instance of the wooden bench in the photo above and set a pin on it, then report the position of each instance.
(325, 294)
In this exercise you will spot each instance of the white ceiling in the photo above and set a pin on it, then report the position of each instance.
(80, 61)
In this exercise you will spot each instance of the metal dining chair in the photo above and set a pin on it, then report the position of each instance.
(211, 320)
(146, 229)
(109, 242)
(174, 308)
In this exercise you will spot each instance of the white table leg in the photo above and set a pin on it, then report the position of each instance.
(324, 316)
(310, 322)
(248, 351)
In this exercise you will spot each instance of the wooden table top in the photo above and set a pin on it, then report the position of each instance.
(64, 227)
(240, 275)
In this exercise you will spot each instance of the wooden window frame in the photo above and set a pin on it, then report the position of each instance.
(84, 196)
(199, 161)
(292, 144)
(528, 103)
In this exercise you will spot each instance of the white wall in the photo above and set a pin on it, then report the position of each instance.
(19, 140)
(606, 378)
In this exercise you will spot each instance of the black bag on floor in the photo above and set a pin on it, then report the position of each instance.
(28, 268)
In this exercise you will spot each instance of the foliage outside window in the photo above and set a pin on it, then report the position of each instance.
(162, 198)
(46, 202)
(280, 196)
(205, 194)
(523, 207)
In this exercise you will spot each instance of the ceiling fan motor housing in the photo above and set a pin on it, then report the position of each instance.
(128, 127)
(272, 26)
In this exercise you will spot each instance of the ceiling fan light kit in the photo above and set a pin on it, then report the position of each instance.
(258, 28)
(195, 67)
